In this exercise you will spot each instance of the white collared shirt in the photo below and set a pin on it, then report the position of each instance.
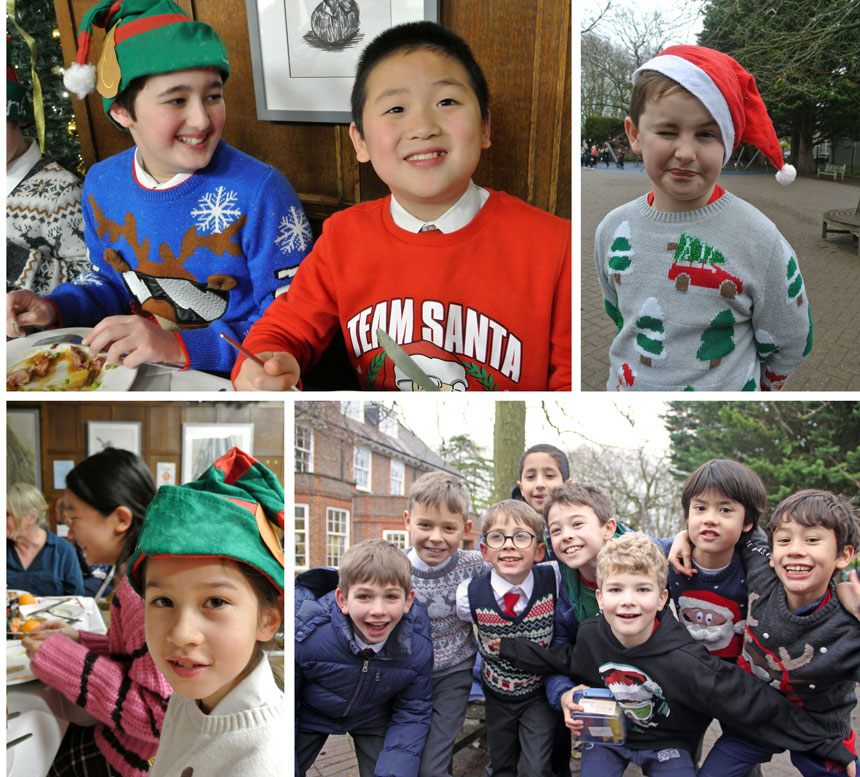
(456, 217)
(17, 171)
(420, 564)
(148, 182)
(375, 647)
(501, 587)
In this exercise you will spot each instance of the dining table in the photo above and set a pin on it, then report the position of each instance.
(37, 715)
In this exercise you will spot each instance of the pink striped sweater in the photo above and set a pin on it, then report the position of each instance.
(113, 677)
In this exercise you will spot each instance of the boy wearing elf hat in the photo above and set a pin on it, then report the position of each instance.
(188, 236)
(704, 290)
(44, 224)
(210, 567)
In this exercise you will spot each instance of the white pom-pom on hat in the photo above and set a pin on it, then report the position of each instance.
(786, 175)
(80, 79)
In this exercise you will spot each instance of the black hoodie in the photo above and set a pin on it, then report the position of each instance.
(671, 687)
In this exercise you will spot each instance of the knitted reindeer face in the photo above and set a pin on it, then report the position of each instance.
(164, 288)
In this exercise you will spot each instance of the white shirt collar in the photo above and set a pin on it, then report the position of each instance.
(456, 217)
(420, 564)
(502, 586)
(257, 689)
(375, 647)
(148, 182)
(22, 165)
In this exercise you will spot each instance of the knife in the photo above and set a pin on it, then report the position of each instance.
(18, 740)
(404, 361)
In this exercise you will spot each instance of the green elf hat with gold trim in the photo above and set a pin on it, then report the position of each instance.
(18, 105)
(234, 510)
(142, 38)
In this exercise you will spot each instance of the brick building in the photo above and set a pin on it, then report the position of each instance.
(354, 466)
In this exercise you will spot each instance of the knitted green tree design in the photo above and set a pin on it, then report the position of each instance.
(694, 250)
(620, 252)
(650, 332)
(614, 313)
(809, 334)
(793, 276)
(718, 339)
(765, 344)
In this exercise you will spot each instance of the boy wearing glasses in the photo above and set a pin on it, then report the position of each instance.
(515, 599)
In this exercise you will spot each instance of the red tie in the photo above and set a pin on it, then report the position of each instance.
(511, 599)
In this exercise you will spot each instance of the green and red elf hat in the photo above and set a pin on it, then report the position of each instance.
(142, 38)
(234, 510)
(18, 105)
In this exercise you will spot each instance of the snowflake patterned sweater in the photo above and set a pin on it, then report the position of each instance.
(812, 659)
(203, 257)
(499, 677)
(453, 644)
(484, 308)
(44, 229)
(708, 300)
(113, 678)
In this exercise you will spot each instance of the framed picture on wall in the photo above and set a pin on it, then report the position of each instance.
(202, 444)
(113, 434)
(23, 444)
(304, 52)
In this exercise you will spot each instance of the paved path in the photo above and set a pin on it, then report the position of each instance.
(338, 759)
(831, 269)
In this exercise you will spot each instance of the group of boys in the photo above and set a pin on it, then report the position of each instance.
(190, 238)
(758, 638)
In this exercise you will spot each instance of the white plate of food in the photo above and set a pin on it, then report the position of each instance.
(42, 362)
(17, 664)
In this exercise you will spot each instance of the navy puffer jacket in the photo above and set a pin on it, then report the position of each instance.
(338, 688)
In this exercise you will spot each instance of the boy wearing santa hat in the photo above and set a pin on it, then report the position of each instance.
(704, 290)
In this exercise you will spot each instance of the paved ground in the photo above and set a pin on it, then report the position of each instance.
(831, 269)
(338, 759)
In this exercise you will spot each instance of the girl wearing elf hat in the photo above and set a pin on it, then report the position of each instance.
(185, 233)
(210, 567)
(704, 291)
(111, 676)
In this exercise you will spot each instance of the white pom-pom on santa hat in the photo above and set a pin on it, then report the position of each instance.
(786, 175)
(80, 79)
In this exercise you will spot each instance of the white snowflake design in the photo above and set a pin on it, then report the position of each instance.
(294, 231)
(88, 279)
(216, 210)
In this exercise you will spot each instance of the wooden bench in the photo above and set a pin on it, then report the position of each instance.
(833, 170)
(843, 221)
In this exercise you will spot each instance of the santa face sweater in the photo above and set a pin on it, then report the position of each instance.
(707, 300)
(112, 677)
(500, 678)
(205, 256)
(453, 644)
(670, 687)
(484, 308)
(44, 230)
(242, 735)
(813, 659)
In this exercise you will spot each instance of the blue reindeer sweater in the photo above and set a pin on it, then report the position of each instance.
(203, 257)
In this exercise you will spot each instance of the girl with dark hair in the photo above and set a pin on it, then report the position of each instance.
(111, 676)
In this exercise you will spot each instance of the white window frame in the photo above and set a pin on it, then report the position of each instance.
(309, 451)
(353, 408)
(356, 451)
(400, 538)
(401, 466)
(342, 516)
(301, 533)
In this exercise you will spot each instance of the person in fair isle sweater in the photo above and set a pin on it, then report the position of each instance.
(210, 567)
(44, 224)
(111, 676)
(188, 235)
(437, 518)
(516, 599)
(799, 639)
(704, 291)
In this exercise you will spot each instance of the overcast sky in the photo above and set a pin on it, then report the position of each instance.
(685, 12)
(593, 417)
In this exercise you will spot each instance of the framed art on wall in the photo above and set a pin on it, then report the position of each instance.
(304, 52)
(23, 460)
(202, 444)
(113, 434)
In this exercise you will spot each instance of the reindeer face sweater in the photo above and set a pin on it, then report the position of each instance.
(112, 677)
(709, 300)
(203, 257)
(484, 308)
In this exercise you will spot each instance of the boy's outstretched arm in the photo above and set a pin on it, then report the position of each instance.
(849, 594)
(531, 657)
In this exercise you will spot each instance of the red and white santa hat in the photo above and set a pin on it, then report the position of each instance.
(730, 95)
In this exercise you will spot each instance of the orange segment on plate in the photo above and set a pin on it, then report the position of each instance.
(26, 599)
(29, 625)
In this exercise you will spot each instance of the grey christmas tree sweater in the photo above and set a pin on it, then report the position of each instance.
(454, 646)
(707, 300)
